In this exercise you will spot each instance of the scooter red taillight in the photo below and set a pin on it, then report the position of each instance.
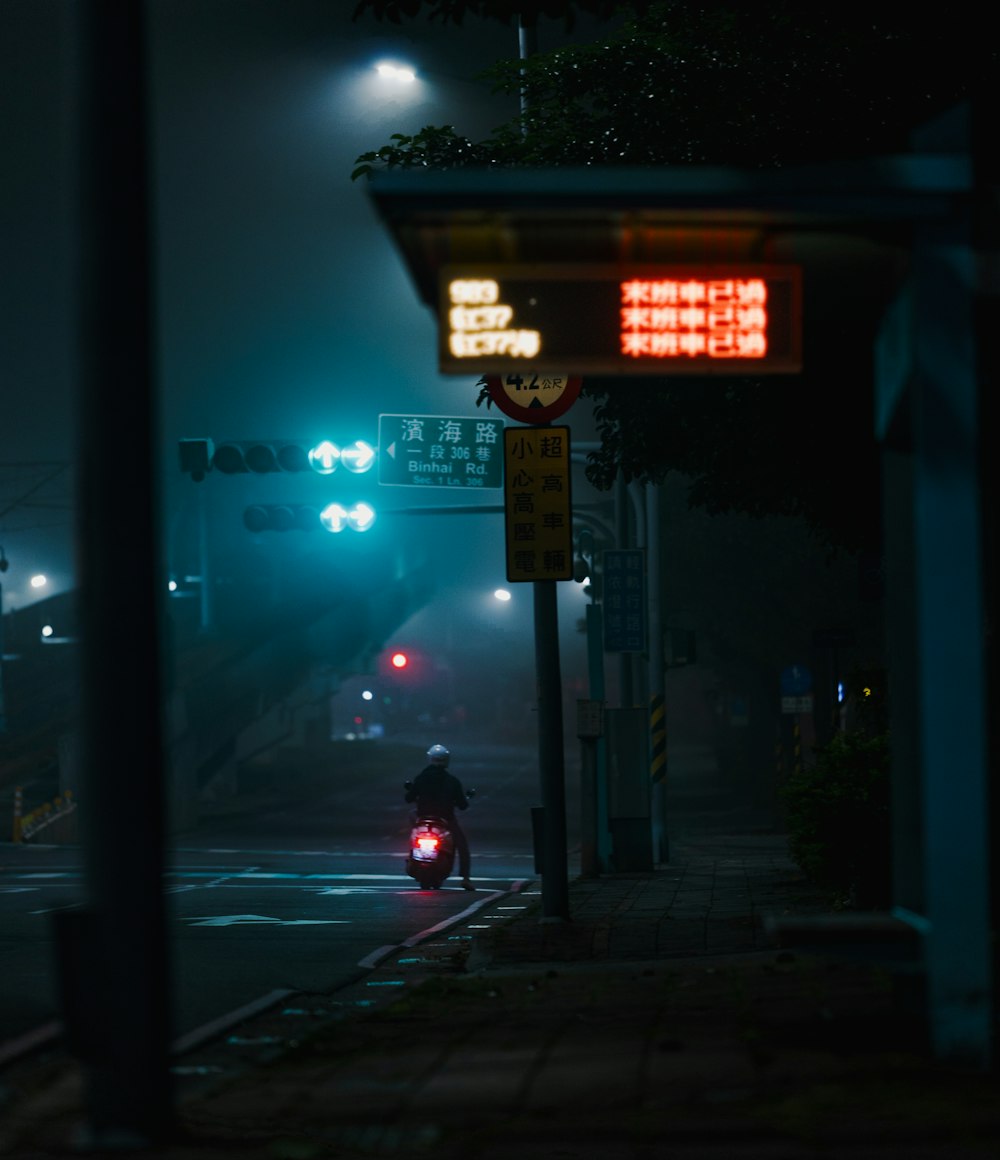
(426, 846)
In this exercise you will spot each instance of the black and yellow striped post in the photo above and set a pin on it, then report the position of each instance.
(658, 733)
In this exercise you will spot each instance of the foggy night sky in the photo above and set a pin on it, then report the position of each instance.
(283, 308)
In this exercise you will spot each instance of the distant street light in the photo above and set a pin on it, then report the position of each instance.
(49, 636)
(502, 595)
(401, 74)
(39, 581)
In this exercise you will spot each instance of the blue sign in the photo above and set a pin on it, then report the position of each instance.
(796, 680)
(625, 600)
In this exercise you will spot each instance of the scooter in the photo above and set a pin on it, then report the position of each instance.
(431, 856)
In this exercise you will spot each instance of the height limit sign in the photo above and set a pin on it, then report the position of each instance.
(538, 515)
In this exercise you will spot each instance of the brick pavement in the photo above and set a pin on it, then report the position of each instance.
(658, 1023)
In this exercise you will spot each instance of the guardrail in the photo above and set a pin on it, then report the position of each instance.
(27, 825)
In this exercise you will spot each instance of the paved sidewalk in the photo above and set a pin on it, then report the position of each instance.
(659, 1024)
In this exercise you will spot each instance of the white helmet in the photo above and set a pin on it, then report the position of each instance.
(438, 755)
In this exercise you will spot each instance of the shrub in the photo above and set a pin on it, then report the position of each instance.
(837, 816)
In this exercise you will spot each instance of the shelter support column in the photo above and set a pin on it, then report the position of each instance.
(927, 404)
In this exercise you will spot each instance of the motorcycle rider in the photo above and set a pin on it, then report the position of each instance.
(436, 791)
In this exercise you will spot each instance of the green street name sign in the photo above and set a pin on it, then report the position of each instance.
(440, 451)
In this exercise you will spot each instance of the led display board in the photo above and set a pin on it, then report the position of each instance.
(621, 320)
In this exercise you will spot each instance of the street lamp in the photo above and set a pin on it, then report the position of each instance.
(396, 73)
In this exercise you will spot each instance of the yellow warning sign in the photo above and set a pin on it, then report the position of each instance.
(537, 504)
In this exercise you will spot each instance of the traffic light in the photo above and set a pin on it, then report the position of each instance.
(262, 456)
(234, 458)
(287, 517)
(404, 666)
(281, 517)
(196, 457)
(359, 517)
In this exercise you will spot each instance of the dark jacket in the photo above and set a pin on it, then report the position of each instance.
(436, 791)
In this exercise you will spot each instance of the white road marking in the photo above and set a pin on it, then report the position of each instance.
(336, 853)
(259, 919)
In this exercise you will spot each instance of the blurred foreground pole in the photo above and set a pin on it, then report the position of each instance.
(115, 970)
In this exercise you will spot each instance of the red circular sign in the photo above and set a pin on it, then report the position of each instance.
(534, 398)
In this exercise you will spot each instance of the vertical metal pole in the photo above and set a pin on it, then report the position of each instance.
(206, 595)
(626, 694)
(116, 983)
(595, 669)
(657, 680)
(640, 661)
(3, 703)
(527, 45)
(555, 882)
(590, 866)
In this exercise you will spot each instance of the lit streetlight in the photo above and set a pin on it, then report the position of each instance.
(396, 73)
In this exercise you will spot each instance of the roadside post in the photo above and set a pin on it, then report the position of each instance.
(538, 522)
(589, 729)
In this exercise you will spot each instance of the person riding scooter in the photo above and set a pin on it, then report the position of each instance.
(436, 791)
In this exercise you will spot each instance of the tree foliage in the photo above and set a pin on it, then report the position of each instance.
(718, 83)
(838, 819)
(505, 11)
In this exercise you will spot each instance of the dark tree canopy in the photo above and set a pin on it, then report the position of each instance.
(726, 83)
(506, 11)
